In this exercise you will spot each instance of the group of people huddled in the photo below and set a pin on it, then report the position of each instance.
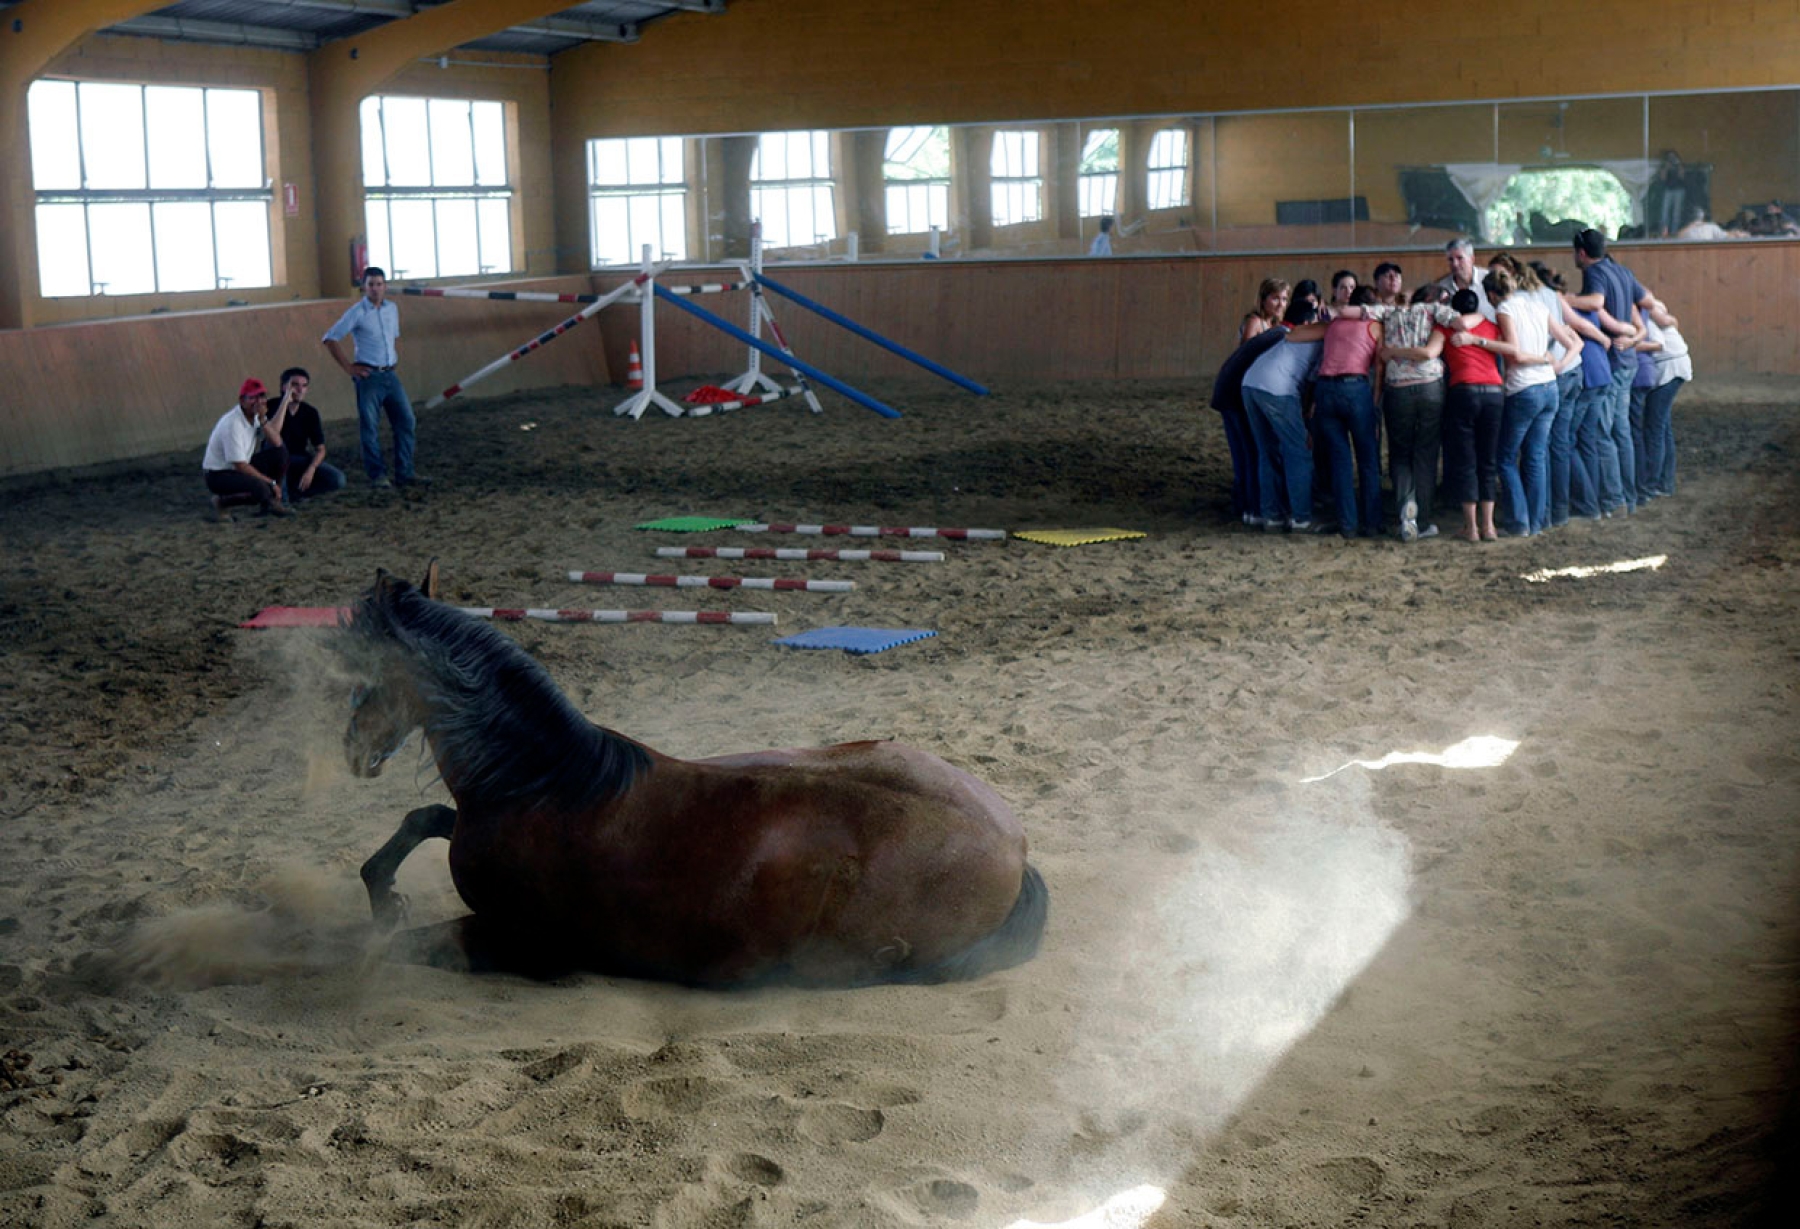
(1546, 403)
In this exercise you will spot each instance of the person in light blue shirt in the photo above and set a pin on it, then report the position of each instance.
(373, 325)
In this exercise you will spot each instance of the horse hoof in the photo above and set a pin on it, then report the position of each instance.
(390, 912)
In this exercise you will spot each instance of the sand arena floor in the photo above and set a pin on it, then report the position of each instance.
(1558, 989)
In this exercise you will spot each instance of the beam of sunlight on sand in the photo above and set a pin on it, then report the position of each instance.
(1482, 751)
(1647, 564)
(1126, 1210)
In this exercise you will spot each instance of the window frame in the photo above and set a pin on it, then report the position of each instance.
(788, 186)
(660, 189)
(1031, 153)
(936, 188)
(85, 197)
(388, 194)
(1177, 173)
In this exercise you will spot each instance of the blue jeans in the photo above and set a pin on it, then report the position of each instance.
(327, 479)
(1659, 439)
(374, 391)
(1525, 429)
(1246, 479)
(1562, 444)
(1584, 470)
(1344, 413)
(1284, 463)
(1618, 472)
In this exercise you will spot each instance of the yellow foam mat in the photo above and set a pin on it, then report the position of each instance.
(1077, 537)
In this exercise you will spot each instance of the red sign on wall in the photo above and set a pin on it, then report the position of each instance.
(290, 199)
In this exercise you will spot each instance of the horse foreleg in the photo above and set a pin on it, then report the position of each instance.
(419, 826)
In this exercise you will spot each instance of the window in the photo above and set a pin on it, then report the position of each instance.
(1018, 192)
(147, 189)
(435, 195)
(637, 194)
(1099, 177)
(1553, 203)
(1168, 185)
(791, 188)
(916, 168)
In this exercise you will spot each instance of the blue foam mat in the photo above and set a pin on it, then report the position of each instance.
(855, 639)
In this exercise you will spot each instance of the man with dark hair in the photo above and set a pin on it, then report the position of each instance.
(374, 325)
(1102, 244)
(1607, 285)
(308, 476)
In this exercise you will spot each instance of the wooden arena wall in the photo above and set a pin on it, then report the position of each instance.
(102, 391)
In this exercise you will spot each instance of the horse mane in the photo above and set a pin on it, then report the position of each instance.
(494, 712)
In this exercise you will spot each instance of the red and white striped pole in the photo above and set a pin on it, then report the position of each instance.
(875, 531)
(621, 616)
(771, 552)
(713, 582)
(542, 339)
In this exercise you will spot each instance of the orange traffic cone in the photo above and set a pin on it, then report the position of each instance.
(634, 371)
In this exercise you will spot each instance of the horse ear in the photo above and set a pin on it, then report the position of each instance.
(384, 584)
(429, 586)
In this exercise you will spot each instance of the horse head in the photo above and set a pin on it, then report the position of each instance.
(385, 710)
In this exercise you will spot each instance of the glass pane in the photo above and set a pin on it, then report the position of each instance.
(1100, 151)
(1168, 149)
(490, 143)
(937, 199)
(771, 207)
(415, 239)
(646, 223)
(824, 211)
(184, 245)
(112, 137)
(1407, 163)
(1098, 195)
(1548, 136)
(820, 164)
(458, 241)
(674, 168)
(374, 165)
(607, 161)
(119, 238)
(176, 122)
(1283, 181)
(55, 156)
(381, 251)
(494, 219)
(612, 231)
(408, 151)
(1727, 156)
(770, 159)
(1167, 189)
(62, 252)
(234, 138)
(452, 144)
(243, 237)
(674, 225)
(641, 160)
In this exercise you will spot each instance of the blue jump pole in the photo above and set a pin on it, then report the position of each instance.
(730, 329)
(870, 335)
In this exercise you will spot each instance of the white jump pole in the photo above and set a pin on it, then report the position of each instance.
(638, 402)
(754, 377)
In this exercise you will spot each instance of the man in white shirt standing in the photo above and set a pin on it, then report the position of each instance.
(373, 324)
(1459, 254)
(236, 469)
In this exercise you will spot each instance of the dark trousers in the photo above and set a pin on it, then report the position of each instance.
(1246, 487)
(234, 486)
(1414, 414)
(1472, 414)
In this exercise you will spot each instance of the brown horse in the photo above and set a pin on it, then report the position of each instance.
(577, 847)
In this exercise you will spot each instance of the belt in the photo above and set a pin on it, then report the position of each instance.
(1357, 376)
(373, 367)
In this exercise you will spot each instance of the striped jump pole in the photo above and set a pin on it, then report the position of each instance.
(713, 582)
(770, 552)
(870, 335)
(621, 616)
(540, 296)
(876, 531)
(732, 330)
(702, 409)
(541, 340)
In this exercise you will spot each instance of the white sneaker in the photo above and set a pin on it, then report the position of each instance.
(1409, 522)
(1254, 521)
(1430, 531)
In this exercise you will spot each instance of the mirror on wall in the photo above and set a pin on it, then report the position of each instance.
(1688, 167)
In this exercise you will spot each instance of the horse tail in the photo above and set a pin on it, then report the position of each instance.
(1011, 943)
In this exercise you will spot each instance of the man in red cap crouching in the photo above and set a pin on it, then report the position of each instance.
(237, 471)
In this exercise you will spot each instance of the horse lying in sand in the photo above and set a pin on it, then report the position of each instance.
(577, 847)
